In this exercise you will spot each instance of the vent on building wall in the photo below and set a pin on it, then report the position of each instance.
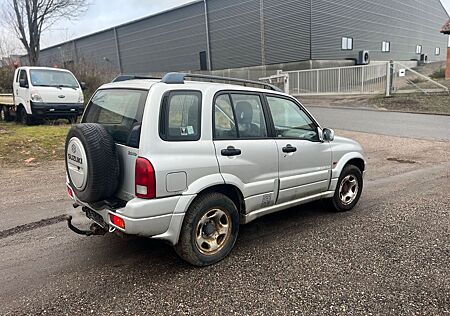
(363, 57)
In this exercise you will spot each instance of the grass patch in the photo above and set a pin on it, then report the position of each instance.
(30, 145)
(438, 74)
(414, 103)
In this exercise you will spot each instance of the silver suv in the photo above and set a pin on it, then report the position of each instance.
(189, 161)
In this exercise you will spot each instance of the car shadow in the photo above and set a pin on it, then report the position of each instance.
(150, 253)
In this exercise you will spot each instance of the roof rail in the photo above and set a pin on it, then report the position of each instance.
(121, 78)
(179, 77)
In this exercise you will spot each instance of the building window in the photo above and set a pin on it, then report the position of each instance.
(347, 43)
(386, 47)
(419, 49)
(438, 51)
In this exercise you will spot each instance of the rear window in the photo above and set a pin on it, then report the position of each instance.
(120, 111)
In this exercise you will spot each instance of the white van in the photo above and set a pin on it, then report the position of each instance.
(46, 93)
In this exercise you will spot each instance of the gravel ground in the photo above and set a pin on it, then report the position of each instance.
(390, 256)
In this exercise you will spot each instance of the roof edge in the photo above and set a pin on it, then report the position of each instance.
(123, 24)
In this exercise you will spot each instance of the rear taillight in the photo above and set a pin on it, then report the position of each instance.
(144, 178)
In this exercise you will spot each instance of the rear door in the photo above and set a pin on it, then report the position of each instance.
(247, 157)
(120, 111)
(304, 160)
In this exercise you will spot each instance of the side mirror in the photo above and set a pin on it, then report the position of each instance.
(83, 85)
(23, 83)
(328, 134)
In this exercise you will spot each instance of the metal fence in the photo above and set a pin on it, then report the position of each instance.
(379, 78)
(371, 79)
(406, 81)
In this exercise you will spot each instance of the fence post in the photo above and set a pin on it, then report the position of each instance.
(362, 78)
(286, 83)
(388, 79)
(339, 80)
(318, 81)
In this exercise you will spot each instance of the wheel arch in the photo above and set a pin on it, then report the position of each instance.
(228, 190)
(351, 157)
(357, 162)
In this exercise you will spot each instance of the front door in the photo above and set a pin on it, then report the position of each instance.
(304, 160)
(22, 93)
(247, 157)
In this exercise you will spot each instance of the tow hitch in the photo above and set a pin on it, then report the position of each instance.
(94, 230)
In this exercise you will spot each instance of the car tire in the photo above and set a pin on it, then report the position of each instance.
(209, 230)
(8, 116)
(92, 162)
(24, 118)
(348, 190)
(2, 114)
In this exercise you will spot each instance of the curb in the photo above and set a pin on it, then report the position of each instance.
(375, 110)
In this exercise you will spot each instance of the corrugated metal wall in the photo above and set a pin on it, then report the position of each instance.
(247, 33)
(287, 30)
(167, 42)
(235, 33)
(404, 23)
(56, 56)
(99, 48)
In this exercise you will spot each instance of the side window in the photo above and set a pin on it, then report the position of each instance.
(249, 115)
(181, 116)
(224, 121)
(290, 121)
(23, 75)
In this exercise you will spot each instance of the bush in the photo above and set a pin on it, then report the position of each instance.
(438, 74)
(6, 79)
(92, 74)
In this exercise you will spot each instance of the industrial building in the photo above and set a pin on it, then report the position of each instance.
(222, 34)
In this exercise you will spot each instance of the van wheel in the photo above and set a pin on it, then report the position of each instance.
(24, 118)
(209, 230)
(348, 190)
(4, 114)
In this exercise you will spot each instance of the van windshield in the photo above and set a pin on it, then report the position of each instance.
(120, 111)
(53, 78)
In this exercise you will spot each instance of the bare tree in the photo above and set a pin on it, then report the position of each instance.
(7, 46)
(29, 18)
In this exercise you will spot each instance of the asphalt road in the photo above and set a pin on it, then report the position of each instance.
(390, 256)
(432, 127)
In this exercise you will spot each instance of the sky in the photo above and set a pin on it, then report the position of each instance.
(103, 14)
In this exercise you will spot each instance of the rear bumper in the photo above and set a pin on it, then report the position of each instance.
(158, 218)
(56, 110)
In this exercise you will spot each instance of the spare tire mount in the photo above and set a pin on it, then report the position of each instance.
(77, 163)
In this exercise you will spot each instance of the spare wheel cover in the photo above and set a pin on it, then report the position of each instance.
(77, 165)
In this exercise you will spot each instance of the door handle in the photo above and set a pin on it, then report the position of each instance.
(289, 149)
(230, 152)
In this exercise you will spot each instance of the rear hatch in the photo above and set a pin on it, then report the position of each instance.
(120, 111)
